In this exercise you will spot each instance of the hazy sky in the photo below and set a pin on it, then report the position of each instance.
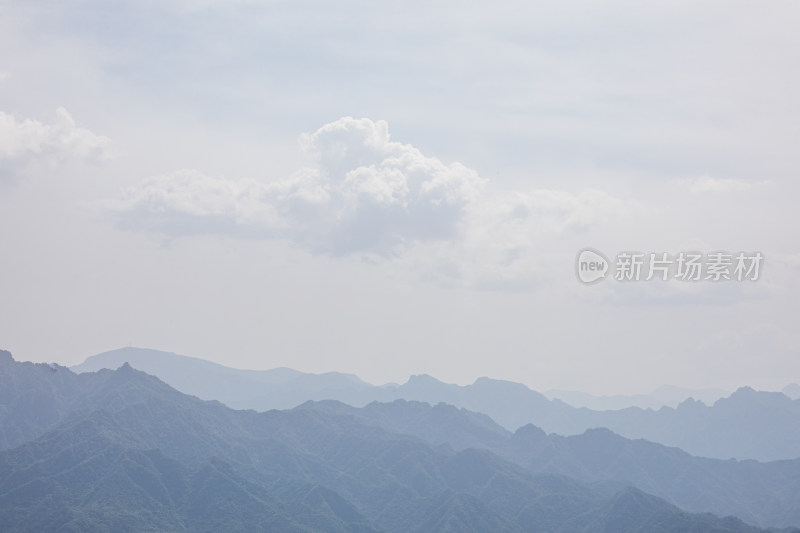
(399, 188)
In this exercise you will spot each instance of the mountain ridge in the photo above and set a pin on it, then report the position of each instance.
(756, 492)
(712, 431)
(134, 435)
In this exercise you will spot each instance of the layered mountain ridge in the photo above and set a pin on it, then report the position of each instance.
(127, 452)
(748, 424)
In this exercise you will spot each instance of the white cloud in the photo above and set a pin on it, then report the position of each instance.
(187, 202)
(518, 239)
(710, 184)
(24, 141)
(365, 193)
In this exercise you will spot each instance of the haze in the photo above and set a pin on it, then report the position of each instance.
(390, 190)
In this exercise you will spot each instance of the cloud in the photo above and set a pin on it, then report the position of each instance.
(364, 193)
(367, 195)
(709, 184)
(517, 240)
(187, 202)
(25, 141)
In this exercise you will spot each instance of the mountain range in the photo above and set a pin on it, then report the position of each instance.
(765, 494)
(665, 395)
(121, 450)
(748, 424)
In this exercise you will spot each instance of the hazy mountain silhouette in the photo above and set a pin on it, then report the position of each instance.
(746, 425)
(765, 494)
(280, 388)
(792, 391)
(133, 454)
(665, 395)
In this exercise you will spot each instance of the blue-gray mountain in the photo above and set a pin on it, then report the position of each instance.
(129, 453)
(665, 395)
(792, 390)
(748, 424)
(765, 494)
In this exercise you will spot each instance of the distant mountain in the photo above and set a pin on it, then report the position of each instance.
(748, 424)
(663, 396)
(765, 494)
(133, 455)
(672, 396)
(280, 388)
(792, 391)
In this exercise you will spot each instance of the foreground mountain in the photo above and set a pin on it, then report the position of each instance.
(135, 455)
(748, 424)
(765, 494)
(36, 397)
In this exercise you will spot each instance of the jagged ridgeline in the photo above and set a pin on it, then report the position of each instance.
(119, 450)
(746, 425)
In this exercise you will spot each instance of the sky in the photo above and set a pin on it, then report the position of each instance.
(390, 189)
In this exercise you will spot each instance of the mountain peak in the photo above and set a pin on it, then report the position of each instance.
(792, 391)
(421, 379)
(485, 380)
(128, 377)
(602, 437)
(530, 433)
(747, 396)
(689, 403)
(6, 357)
